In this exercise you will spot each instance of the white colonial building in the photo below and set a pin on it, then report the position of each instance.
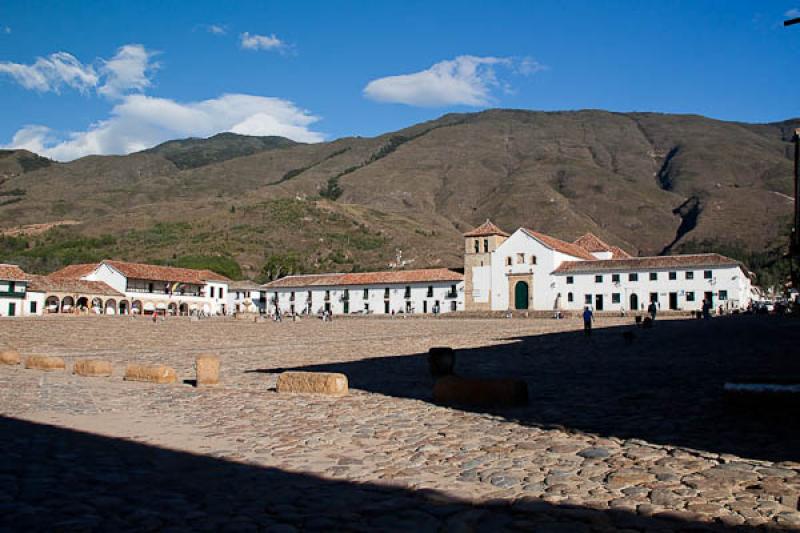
(246, 297)
(14, 296)
(425, 291)
(528, 270)
(143, 289)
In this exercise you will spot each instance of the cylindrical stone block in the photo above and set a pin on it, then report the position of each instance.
(151, 374)
(44, 362)
(441, 361)
(92, 368)
(455, 390)
(10, 357)
(207, 367)
(313, 382)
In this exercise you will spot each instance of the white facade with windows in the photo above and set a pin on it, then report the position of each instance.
(532, 271)
(15, 299)
(430, 291)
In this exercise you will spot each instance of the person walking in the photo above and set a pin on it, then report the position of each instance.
(588, 317)
(706, 309)
(652, 310)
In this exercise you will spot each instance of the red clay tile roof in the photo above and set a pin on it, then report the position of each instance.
(560, 246)
(367, 278)
(12, 273)
(164, 273)
(619, 253)
(73, 271)
(245, 285)
(592, 243)
(77, 287)
(646, 263)
(486, 229)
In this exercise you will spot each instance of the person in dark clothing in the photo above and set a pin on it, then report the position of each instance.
(588, 317)
(652, 310)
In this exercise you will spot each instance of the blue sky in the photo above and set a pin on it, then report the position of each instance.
(113, 77)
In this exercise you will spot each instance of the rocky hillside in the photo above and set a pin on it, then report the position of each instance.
(651, 183)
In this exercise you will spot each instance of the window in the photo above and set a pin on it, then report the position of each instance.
(707, 274)
(508, 261)
(430, 291)
(653, 276)
(615, 278)
(346, 295)
(654, 297)
(386, 293)
(366, 294)
(520, 259)
(689, 275)
(485, 245)
(570, 297)
(598, 279)
(689, 296)
(723, 295)
(673, 276)
(308, 296)
(570, 280)
(291, 296)
(587, 299)
(615, 298)
(327, 295)
(408, 292)
(221, 292)
(33, 308)
(477, 246)
(533, 259)
(633, 276)
(212, 289)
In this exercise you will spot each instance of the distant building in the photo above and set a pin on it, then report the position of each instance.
(528, 270)
(142, 289)
(425, 291)
(246, 297)
(14, 292)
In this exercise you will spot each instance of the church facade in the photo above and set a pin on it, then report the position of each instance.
(528, 270)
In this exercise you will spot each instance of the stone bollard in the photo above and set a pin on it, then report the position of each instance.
(455, 390)
(92, 368)
(441, 361)
(44, 362)
(151, 374)
(10, 357)
(331, 383)
(207, 368)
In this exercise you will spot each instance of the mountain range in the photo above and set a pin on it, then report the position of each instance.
(264, 206)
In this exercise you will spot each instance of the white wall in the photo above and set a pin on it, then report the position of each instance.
(420, 301)
(730, 278)
(547, 260)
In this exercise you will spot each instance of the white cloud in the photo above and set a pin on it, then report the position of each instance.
(260, 42)
(49, 74)
(140, 122)
(129, 70)
(216, 29)
(465, 80)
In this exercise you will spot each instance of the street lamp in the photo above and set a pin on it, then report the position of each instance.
(794, 242)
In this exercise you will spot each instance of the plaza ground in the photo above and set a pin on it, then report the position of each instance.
(617, 435)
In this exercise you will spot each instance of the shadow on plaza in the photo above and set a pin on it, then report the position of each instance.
(57, 479)
(664, 387)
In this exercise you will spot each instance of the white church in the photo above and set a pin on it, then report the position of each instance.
(528, 270)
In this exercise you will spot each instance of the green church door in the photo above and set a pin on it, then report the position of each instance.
(521, 295)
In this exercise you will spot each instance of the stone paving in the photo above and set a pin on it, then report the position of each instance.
(617, 436)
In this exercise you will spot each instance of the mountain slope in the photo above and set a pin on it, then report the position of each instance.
(649, 182)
